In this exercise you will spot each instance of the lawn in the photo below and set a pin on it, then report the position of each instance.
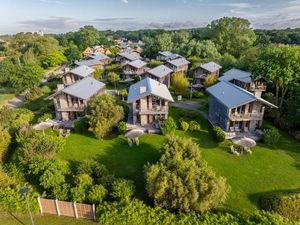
(266, 170)
(11, 219)
(6, 94)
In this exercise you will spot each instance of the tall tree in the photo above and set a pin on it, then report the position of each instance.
(281, 66)
(232, 35)
(88, 36)
(180, 83)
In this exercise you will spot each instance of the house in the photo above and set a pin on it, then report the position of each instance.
(205, 70)
(77, 74)
(71, 102)
(124, 57)
(87, 52)
(166, 56)
(100, 57)
(244, 80)
(93, 63)
(134, 68)
(160, 73)
(178, 65)
(235, 109)
(149, 100)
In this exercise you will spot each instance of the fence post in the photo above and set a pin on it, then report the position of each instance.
(94, 211)
(40, 205)
(75, 210)
(57, 207)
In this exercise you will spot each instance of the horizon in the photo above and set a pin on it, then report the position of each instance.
(61, 16)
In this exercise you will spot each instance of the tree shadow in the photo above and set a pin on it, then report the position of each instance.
(16, 218)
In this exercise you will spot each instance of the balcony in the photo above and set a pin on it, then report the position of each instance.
(257, 87)
(73, 108)
(246, 116)
(199, 76)
(155, 110)
(130, 72)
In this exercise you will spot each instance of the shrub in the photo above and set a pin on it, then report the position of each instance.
(123, 190)
(184, 125)
(285, 204)
(194, 126)
(81, 125)
(97, 194)
(168, 126)
(105, 115)
(180, 83)
(218, 134)
(181, 180)
(198, 94)
(83, 184)
(209, 81)
(45, 117)
(122, 127)
(271, 136)
(4, 142)
(92, 168)
(33, 94)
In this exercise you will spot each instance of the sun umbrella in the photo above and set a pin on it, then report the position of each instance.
(244, 141)
(134, 133)
(42, 126)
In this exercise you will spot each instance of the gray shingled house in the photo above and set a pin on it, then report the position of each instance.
(160, 73)
(100, 57)
(149, 100)
(134, 68)
(167, 55)
(71, 102)
(125, 57)
(93, 63)
(235, 109)
(204, 70)
(178, 65)
(77, 74)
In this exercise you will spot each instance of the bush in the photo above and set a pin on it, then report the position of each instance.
(97, 194)
(218, 134)
(46, 116)
(83, 184)
(123, 190)
(33, 94)
(4, 142)
(168, 126)
(81, 125)
(180, 83)
(181, 180)
(194, 126)
(198, 94)
(285, 204)
(184, 125)
(122, 127)
(92, 168)
(271, 136)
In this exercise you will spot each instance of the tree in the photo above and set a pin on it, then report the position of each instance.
(209, 81)
(153, 63)
(180, 83)
(88, 36)
(113, 78)
(228, 61)
(4, 142)
(232, 35)
(281, 66)
(181, 180)
(105, 115)
(54, 59)
(97, 194)
(83, 184)
(72, 52)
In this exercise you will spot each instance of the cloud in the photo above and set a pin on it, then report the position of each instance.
(125, 1)
(242, 5)
(53, 2)
(113, 19)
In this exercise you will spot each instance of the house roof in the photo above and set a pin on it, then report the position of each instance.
(99, 56)
(137, 63)
(233, 96)
(236, 74)
(90, 62)
(129, 56)
(151, 87)
(160, 71)
(178, 62)
(169, 54)
(82, 71)
(84, 88)
(211, 66)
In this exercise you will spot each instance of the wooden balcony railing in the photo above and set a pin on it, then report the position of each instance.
(72, 108)
(154, 110)
(246, 116)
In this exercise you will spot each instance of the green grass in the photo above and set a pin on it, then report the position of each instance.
(266, 170)
(6, 94)
(115, 154)
(11, 219)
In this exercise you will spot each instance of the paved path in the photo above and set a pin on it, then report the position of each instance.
(192, 105)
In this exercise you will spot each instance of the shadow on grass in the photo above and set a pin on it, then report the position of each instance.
(16, 218)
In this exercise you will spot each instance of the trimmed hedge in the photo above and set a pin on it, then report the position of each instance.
(285, 204)
(218, 134)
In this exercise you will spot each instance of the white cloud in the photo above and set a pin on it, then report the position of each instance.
(125, 1)
(242, 5)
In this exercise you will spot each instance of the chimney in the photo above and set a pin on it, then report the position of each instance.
(143, 89)
(60, 87)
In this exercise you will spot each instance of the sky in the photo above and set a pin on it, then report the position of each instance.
(60, 16)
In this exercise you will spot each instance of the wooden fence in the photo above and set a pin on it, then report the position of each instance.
(63, 208)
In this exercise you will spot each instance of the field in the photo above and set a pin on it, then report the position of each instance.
(266, 170)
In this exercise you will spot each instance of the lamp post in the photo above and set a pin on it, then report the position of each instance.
(23, 191)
